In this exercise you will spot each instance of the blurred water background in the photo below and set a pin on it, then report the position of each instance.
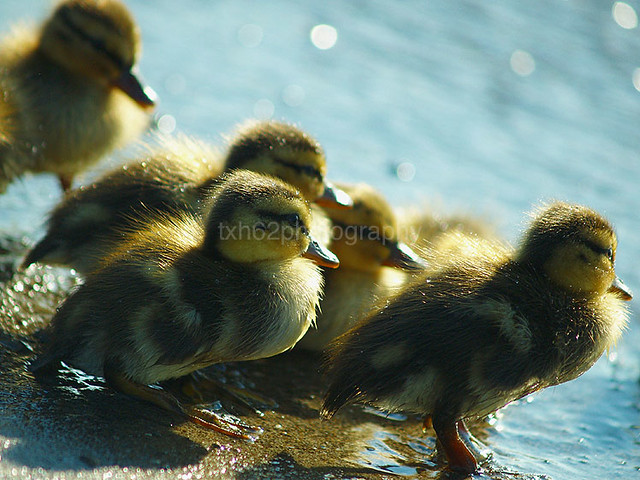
(483, 107)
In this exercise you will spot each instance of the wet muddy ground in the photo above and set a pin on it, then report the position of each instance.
(72, 426)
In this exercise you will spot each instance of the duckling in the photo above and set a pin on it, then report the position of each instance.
(74, 86)
(176, 175)
(365, 239)
(488, 329)
(182, 293)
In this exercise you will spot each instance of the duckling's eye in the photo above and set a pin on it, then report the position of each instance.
(310, 171)
(610, 254)
(98, 44)
(305, 169)
(295, 221)
(292, 219)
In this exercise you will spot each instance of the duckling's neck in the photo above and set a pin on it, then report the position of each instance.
(534, 267)
(210, 250)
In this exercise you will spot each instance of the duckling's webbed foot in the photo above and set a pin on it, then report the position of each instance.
(215, 418)
(427, 423)
(201, 387)
(217, 421)
(458, 454)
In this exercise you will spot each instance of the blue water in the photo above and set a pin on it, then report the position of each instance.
(496, 105)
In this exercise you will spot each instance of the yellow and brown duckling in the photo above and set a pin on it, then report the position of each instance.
(183, 292)
(74, 89)
(365, 238)
(488, 329)
(176, 175)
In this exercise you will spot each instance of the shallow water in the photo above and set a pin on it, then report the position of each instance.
(487, 107)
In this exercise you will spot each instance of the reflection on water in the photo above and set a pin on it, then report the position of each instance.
(398, 417)
(379, 453)
(409, 456)
(485, 107)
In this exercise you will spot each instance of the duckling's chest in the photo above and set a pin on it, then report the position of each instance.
(284, 304)
(259, 313)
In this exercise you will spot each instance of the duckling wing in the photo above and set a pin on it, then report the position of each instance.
(427, 348)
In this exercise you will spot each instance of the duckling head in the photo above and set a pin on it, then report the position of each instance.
(257, 218)
(284, 151)
(97, 39)
(365, 237)
(576, 248)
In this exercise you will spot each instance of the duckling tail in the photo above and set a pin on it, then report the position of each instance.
(328, 408)
(336, 398)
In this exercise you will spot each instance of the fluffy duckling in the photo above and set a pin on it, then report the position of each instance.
(176, 176)
(489, 329)
(74, 88)
(365, 238)
(182, 293)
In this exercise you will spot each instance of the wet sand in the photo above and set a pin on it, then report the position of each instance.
(72, 426)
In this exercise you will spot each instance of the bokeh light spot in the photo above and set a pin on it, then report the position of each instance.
(624, 15)
(167, 123)
(406, 171)
(522, 63)
(324, 36)
(636, 78)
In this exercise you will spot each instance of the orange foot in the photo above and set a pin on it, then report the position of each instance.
(458, 454)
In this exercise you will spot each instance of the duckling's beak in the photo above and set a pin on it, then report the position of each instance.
(401, 256)
(333, 197)
(320, 255)
(618, 287)
(130, 83)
